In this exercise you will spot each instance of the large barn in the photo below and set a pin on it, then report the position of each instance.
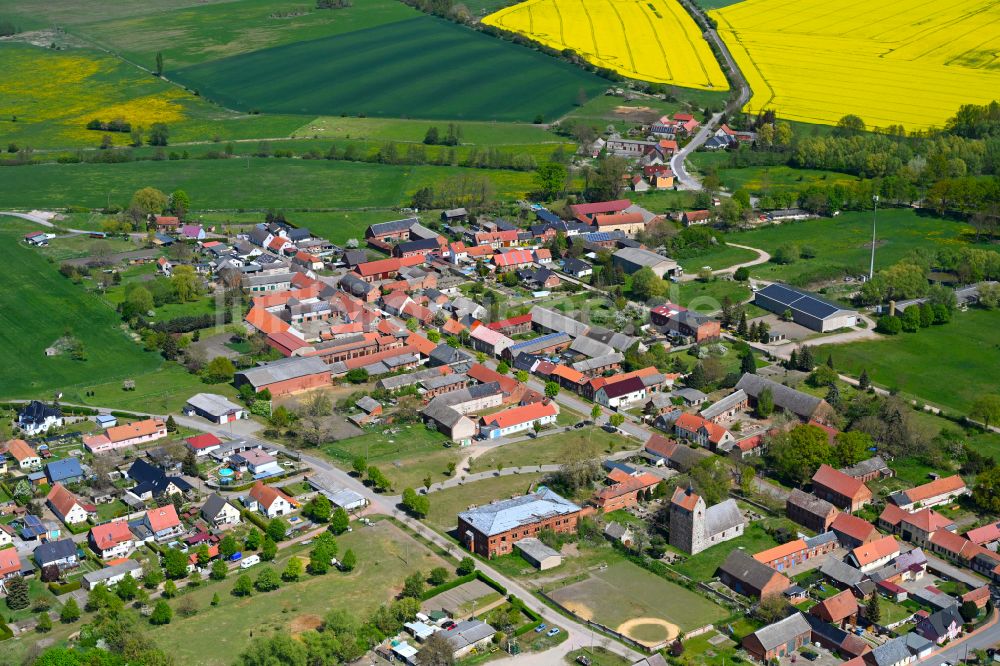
(807, 309)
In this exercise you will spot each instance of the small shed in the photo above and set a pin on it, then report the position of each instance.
(538, 554)
(106, 421)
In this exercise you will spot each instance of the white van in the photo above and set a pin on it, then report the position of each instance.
(249, 561)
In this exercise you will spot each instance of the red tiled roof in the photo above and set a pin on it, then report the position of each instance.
(840, 483)
(837, 608)
(984, 534)
(977, 594)
(370, 268)
(485, 375)
(110, 534)
(142, 428)
(937, 487)
(513, 258)
(420, 343)
(892, 515)
(61, 499)
(203, 441)
(617, 218)
(600, 207)
(513, 321)
(689, 422)
(854, 527)
(163, 518)
(684, 498)
(567, 373)
(698, 214)
(20, 449)
(876, 550)
(780, 551)
(523, 414)
(660, 445)
(265, 495)
(9, 561)
(264, 321)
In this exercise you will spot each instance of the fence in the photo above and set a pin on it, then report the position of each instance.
(631, 642)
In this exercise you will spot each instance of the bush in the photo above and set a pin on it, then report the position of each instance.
(889, 325)
(64, 588)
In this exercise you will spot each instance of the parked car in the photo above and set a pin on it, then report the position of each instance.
(540, 628)
(553, 631)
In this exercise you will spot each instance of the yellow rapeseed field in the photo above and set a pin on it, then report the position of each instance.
(649, 40)
(56, 93)
(895, 62)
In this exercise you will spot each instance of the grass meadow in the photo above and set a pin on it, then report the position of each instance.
(584, 444)
(914, 364)
(423, 67)
(254, 183)
(843, 244)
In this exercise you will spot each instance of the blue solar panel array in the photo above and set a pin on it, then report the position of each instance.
(799, 300)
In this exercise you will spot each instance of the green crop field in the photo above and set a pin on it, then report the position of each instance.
(423, 67)
(260, 183)
(843, 244)
(625, 592)
(915, 363)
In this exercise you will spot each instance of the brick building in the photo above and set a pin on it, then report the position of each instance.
(810, 511)
(493, 529)
(289, 375)
(839, 489)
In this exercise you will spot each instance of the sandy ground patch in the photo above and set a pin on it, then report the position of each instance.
(582, 610)
(305, 623)
(638, 113)
(629, 626)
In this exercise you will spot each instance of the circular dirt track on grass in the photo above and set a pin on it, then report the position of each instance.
(644, 630)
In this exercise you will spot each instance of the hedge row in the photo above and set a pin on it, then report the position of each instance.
(462, 580)
(535, 618)
(254, 518)
(63, 588)
(127, 415)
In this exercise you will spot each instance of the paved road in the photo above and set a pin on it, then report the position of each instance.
(331, 477)
(685, 180)
(41, 217)
(762, 258)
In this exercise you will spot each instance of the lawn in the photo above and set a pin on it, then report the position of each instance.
(260, 183)
(485, 79)
(625, 591)
(843, 244)
(773, 179)
(414, 131)
(447, 504)
(109, 510)
(386, 556)
(708, 296)
(57, 306)
(913, 362)
(586, 443)
(406, 456)
(717, 258)
(703, 566)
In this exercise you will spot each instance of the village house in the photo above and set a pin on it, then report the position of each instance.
(61, 554)
(841, 490)
(687, 323)
(123, 436)
(935, 493)
(203, 444)
(870, 470)
(163, 522)
(25, 456)
(941, 626)
(621, 394)
(218, 511)
(37, 417)
(696, 429)
(489, 341)
(111, 540)
(10, 563)
(493, 529)
(870, 556)
(794, 553)
(841, 609)
(518, 419)
(624, 489)
(915, 527)
(257, 462)
(67, 507)
(153, 482)
(113, 574)
(270, 501)
(67, 470)
(790, 401)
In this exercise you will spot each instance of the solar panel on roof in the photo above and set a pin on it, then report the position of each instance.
(781, 294)
(815, 307)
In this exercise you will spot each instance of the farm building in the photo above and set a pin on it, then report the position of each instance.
(288, 375)
(807, 309)
(632, 259)
(213, 407)
(537, 554)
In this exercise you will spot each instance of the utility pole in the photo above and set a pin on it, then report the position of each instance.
(871, 270)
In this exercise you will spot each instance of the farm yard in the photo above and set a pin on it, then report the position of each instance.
(637, 603)
(486, 78)
(902, 63)
(654, 41)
